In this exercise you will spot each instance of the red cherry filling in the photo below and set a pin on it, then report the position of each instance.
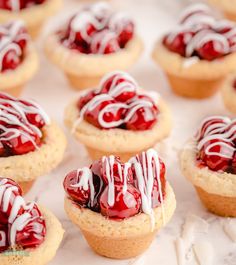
(126, 203)
(10, 61)
(34, 232)
(75, 189)
(84, 99)
(177, 42)
(4, 244)
(119, 85)
(142, 115)
(217, 155)
(19, 4)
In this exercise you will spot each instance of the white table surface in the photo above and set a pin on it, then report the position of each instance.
(49, 88)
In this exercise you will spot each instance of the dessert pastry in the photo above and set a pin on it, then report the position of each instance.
(95, 41)
(227, 6)
(30, 144)
(198, 54)
(118, 118)
(209, 162)
(119, 207)
(32, 12)
(29, 234)
(18, 58)
(228, 92)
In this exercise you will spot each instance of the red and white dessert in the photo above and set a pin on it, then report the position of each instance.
(21, 124)
(98, 30)
(21, 224)
(202, 35)
(119, 190)
(217, 144)
(13, 44)
(119, 103)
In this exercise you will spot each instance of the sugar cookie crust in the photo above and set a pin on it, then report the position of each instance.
(118, 140)
(137, 225)
(225, 5)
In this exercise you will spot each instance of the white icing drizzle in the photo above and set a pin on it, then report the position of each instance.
(8, 198)
(129, 85)
(85, 181)
(223, 130)
(145, 176)
(101, 39)
(194, 20)
(15, 5)
(80, 23)
(101, 10)
(3, 239)
(14, 30)
(15, 114)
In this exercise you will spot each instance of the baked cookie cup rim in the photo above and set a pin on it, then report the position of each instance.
(34, 15)
(80, 64)
(175, 64)
(138, 225)
(28, 167)
(226, 5)
(119, 140)
(214, 182)
(23, 73)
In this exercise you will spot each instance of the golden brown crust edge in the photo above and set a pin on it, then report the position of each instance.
(46, 251)
(138, 225)
(34, 164)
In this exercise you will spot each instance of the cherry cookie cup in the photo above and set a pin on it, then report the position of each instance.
(118, 118)
(18, 57)
(198, 54)
(228, 7)
(33, 12)
(29, 234)
(209, 162)
(228, 93)
(119, 207)
(30, 144)
(94, 42)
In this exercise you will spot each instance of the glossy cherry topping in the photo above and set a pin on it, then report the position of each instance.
(217, 144)
(200, 34)
(125, 189)
(21, 224)
(13, 42)
(16, 5)
(21, 122)
(97, 29)
(118, 103)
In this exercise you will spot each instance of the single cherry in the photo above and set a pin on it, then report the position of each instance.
(10, 60)
(85, 98)
(79, 193)
(140, 116)
(127, 202)
(33, 234)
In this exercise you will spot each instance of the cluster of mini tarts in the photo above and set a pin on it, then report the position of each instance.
(193, 77)
(120, 142)
(42, 254)
(33, 16)
(24, 169)
(86, 70)
(121, 239)
(216, 190)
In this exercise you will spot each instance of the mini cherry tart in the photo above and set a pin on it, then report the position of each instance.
(217, 144)
(21, 124)
(125, 190)
(13, 43)
(118, 103)
(200, 34)
(22, 224)
(97, 30)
